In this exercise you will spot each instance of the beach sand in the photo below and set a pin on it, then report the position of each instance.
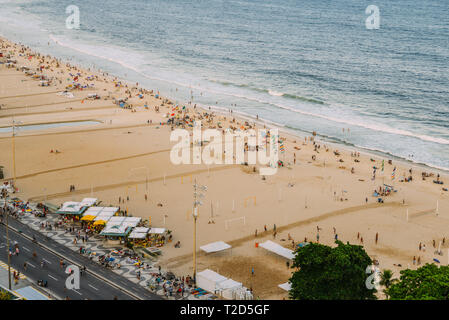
(121, 155)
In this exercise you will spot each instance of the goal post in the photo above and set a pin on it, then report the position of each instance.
(230, 221)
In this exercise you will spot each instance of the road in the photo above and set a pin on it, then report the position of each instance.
(92, 284)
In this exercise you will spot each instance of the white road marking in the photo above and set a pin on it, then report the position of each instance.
(46, 261)
(53, 277)
(26, 249)
(92, 287)
(77, 292)
(31, 265)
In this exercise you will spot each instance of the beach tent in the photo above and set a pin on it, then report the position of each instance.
(99, 222)
(116, 231)
(76, 208)
(285, 286)
(93, 211)
(131, 221)
(87, 202)
(105, 216)
(215, 247)
(71, 208)
(141, 230)
(157, 230)
(102, 209)
(87, 218)
(116, 220)
(278, 249)
(139, 233)
(228, 289)
(209, 280)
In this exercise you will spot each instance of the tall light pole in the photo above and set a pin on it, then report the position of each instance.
(13, 145)
(196, 203)
(5, 196)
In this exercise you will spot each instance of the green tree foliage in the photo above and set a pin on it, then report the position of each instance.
(429, 282)
(5, 295)
(386, 280)
(326, 273)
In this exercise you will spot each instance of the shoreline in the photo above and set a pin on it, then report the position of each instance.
(292, 132)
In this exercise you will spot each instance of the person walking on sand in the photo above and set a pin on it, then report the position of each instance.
(318, 237)
(377, 237)
(361, 240)
(255, 233)
(420, 246)
(419, 261)
(265, 228)
(414, 260)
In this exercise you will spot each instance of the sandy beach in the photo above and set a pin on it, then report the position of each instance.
(108, 152)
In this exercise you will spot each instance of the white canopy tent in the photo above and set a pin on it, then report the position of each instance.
(278, 249)
(141, 230)
(131, 221)
(87, 202)
(209, 280)
(157, 230)
(70, 206)
(104, 215)
(95, 211)
(137, 235)
(218, 284)
(215, 247)
(119, 225)
(229, 288)
(115, 221)
(285, 286)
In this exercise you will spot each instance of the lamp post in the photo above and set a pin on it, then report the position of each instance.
(14, 149)
(5, 196)
(196, 204)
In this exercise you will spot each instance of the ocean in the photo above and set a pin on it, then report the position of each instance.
(305, 66)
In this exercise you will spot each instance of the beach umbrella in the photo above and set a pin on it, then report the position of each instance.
(98, 222)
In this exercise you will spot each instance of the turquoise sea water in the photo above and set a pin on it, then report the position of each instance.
(306, 65)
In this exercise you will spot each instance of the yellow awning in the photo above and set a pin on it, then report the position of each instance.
(88, 218)
(98, 222)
